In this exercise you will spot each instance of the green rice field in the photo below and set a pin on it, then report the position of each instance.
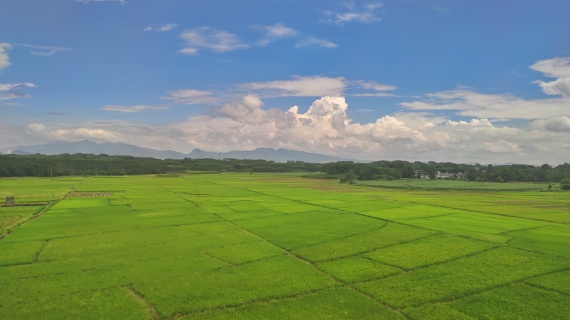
(439, 184)
(279, 246)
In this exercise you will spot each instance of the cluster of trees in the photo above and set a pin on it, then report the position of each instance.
(241, 165)
(88, 164)
(390, 170)
(77, 164)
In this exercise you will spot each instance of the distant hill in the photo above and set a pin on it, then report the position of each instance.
(90, 147)
(277, 155)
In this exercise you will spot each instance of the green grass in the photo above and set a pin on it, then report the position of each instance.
(279, 246)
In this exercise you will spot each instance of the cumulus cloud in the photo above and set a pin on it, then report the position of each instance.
(558, 124)
(212, 39)
(4, 58)
(312, 86)
(10, 91)
(161, 28)
(274, 32)
(473, 122)
(326, 128)
(315, 42)
(192, 96)
(354, 13)
(132, 109)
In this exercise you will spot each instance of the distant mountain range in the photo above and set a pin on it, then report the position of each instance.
(90, 147)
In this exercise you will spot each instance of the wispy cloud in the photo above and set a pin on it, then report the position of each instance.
(161, 28)
(4, 57)
(9, 91)
(45, 50)
(132, 109)
(441, 9)
(315, 42)
(192, 96)
(314, 86)
(374, 85)
(374, 89)
(122, 2)
(212, 39)
(353, 13)
(274, 32)
(467, 102)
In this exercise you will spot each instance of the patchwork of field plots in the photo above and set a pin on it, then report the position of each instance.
(240, 246)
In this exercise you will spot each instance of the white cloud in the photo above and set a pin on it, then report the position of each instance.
(190, 51)
(299, 87)
(4, 58)
(315, 42)
(192, 96)
(473, 122)
(324, 128)
(72, 134)
(466, 102)
(161, 28)
(210, 38)
(132, 109)
(354, 13)
(9, 91)
(274, 32)
(555, 68)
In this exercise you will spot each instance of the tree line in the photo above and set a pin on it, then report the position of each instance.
(393, 170)
(88, 164)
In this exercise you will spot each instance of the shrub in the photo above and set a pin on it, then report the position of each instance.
(565, 184)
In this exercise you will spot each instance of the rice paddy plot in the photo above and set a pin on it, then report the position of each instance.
(557, 281)
(426, 251)
(387, 234)
(336, 303)
(516, 302)
(298, 230)
(461, 277)
(552, 240)
(476, 225)
(357, 269)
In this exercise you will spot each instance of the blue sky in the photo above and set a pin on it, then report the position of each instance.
(446, 80)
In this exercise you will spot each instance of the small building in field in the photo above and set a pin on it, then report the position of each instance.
(9, 201)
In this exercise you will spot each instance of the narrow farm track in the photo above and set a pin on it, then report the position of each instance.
(150, 309)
